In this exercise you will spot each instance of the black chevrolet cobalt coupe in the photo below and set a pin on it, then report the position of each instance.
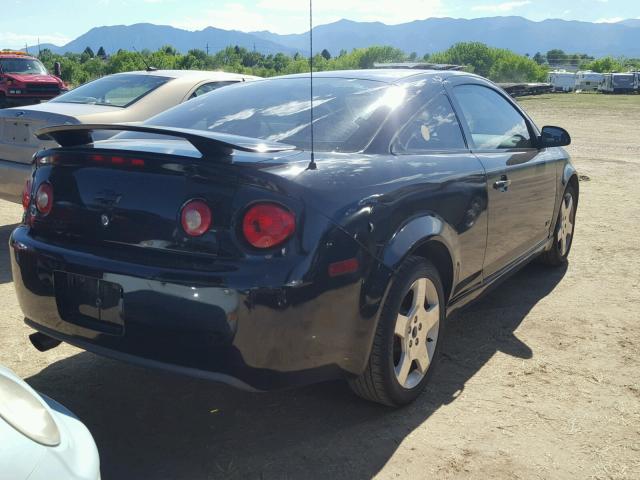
(211, 241)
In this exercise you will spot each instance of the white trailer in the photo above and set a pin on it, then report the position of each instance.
(562, 81)
(618, 83)
(588, 81)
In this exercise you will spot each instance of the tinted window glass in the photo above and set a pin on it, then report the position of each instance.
(209, 87)
(114, 90)
(435, 127)
(22, 66)
(347, 112)
(493, 121)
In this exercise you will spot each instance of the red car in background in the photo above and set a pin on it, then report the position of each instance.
(24, 80)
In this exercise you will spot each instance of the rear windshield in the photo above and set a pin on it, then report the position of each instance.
(347, 112)
(22, 66)
(114, 90)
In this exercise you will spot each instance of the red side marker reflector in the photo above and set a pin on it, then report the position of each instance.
(117, 160)
(342, 268)
(137, 162)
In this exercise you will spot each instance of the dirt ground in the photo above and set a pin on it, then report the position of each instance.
(539, 380)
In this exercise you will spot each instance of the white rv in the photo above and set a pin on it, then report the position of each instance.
(562, 81)
(618, 83)
(588, 81)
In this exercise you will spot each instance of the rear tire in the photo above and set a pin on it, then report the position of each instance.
(564, 229)
(407, 341)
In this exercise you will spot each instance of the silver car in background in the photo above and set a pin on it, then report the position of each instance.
(118, 98)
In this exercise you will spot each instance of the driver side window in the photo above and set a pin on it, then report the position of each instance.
(492, 120)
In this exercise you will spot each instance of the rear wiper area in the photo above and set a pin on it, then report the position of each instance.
(207, 143)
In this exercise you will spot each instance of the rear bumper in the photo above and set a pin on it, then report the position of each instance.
(13, 175)
(209, 325)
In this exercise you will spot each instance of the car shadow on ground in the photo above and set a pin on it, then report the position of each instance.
(150, 424)
(5, 260)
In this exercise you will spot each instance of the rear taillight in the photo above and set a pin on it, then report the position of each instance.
(195, 218)
(267, 225)
(44, 198)
(26, 195)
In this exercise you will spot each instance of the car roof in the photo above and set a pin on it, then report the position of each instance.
(190, 74)
(388, 75)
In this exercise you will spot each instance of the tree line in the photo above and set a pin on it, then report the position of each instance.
(498, 64)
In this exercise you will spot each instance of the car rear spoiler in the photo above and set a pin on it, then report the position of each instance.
(207, 143)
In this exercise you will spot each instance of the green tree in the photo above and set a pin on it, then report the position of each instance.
(101, 53)
(556, 57)
(605, 65)
(539, 58)
(89, 52)
(325, 54)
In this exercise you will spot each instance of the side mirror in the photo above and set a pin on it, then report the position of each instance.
(554, 137)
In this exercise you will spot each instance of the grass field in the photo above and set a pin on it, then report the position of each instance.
(539, 380)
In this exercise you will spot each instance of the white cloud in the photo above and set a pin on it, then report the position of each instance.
(292, 16)
(610, 20)
(18, 40)
(500, 7)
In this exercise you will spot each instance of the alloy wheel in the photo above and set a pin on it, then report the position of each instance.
(416, 333)
(565, 230)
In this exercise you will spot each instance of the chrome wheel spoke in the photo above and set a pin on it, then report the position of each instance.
(402, 326)
(430, 318)
(423, 359)
(569, 208)
(403, 368)
(419, 293)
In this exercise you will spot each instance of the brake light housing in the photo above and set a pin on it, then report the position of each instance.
(196, 218)
(44, 198)
(267, 225)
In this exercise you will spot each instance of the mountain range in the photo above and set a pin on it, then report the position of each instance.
(420, 36)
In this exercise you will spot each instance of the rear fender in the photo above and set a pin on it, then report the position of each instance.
(415, 233)
(406, 241)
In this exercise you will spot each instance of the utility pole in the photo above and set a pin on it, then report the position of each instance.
(26, 48)
(207, 48)
(39, 51)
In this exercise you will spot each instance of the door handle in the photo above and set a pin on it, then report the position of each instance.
(502, 184)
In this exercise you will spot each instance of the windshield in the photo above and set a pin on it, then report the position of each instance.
(22, 66)
(347, 112)
(115, 90)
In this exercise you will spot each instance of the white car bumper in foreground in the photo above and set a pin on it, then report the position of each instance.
(74, 457)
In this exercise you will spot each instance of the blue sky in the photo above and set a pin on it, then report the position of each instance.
(59, 21)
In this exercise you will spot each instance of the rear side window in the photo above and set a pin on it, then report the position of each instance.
(209, 87)
(433, 128)
(494, 123)
(119, 90)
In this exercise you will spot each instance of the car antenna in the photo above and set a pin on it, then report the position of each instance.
(312, 163)
(144, 60)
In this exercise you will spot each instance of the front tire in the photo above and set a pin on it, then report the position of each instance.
(407, 342)
(558, 254)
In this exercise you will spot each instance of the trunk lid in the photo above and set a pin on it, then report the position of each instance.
(114, 196)
(18, 126)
